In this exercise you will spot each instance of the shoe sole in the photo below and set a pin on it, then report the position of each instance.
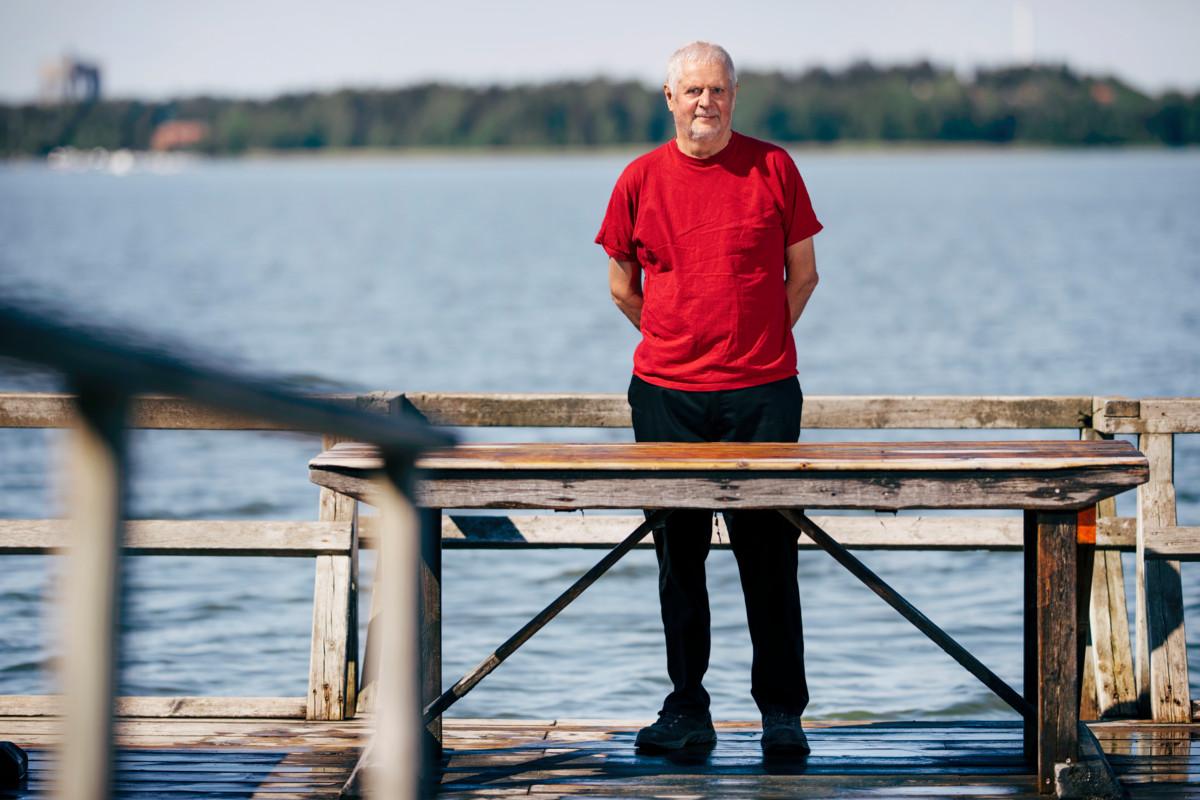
(786, 750)
(691, 740)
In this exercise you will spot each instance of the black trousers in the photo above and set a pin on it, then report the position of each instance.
(763, 542)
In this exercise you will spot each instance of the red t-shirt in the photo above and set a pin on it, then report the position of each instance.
(710, 236)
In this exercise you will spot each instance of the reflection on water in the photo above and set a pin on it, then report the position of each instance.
(969, 272)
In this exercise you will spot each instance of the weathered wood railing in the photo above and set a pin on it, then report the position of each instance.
(106, 375)
(1115, 684)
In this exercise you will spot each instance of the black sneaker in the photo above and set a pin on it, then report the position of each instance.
(783, 735)
(676, 731)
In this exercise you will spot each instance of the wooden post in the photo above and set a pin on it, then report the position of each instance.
(398, 726)
(431, 622)
(1057, 693)
(92, 594)
(1162, 678)
(333, 661)
(1085, 525)
(1030, 616)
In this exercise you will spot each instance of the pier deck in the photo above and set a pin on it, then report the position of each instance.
(280, 758)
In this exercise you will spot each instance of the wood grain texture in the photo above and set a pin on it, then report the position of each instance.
(329, 683)
(285, 538)
(296, 538)
(1178, 543)
(954, 456)
(849, 412)
(1058, 703)
(1113, 664)
(1148, 415)
(556, 758)
(171, 707)
(843, 412)
(54, 410)
(1165, 639)
(327, 659)
(881, 491)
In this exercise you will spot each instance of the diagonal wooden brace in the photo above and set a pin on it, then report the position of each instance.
(485, 667)
(909, 611)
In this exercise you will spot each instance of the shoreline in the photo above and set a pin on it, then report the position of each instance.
(630, 149)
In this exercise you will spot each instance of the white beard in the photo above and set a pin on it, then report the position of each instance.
(700, 132)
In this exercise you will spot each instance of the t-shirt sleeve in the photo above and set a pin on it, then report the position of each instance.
(800, 221)
(616, 231)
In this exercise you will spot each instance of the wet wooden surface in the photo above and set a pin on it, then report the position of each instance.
(192, 758)
(547, 758)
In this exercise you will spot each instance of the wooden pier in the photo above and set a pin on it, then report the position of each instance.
(285, 759)
(1134, 682)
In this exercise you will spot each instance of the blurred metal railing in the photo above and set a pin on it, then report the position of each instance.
(104, 374)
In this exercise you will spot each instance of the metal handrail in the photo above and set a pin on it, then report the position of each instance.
(105, 373)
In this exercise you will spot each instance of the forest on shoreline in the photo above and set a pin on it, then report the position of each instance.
(918, 103)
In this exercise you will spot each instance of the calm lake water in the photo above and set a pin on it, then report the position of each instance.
(950, 272)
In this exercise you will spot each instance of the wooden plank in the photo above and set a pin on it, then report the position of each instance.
(326, 698)
(842, 412)
(50, 410)
(333, 660)
(1156, 415)
(880, 491)
(1113, 664)
(859, 532)
(1170, 700)
(172, 707)
(290, 538)
(1177, 543)
(1058, 704)
(1148, 415)
(92, 592)
(1111, 668)
(951, 456)
(869, 491)
(909, 612)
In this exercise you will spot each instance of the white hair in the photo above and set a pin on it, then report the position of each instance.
(698, 53)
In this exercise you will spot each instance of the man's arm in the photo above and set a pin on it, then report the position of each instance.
(625, 283)
(800, 269)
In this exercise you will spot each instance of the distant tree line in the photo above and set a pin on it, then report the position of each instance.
(863, 103)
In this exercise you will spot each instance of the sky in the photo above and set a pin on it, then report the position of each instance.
(259, 48)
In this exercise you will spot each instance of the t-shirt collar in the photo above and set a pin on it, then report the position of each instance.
(720, 157)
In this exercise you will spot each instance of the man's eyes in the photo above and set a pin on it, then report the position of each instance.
(714, 90)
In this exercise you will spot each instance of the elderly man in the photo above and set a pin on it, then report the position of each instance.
(709, 239)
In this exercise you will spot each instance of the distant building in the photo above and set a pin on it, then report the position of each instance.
(69, 80)
(177, 134)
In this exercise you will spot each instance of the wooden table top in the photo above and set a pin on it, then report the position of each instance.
(351, 457)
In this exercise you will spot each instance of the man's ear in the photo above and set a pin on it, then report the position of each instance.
(667, 95)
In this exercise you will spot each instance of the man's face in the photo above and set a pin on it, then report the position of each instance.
(702, 102)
